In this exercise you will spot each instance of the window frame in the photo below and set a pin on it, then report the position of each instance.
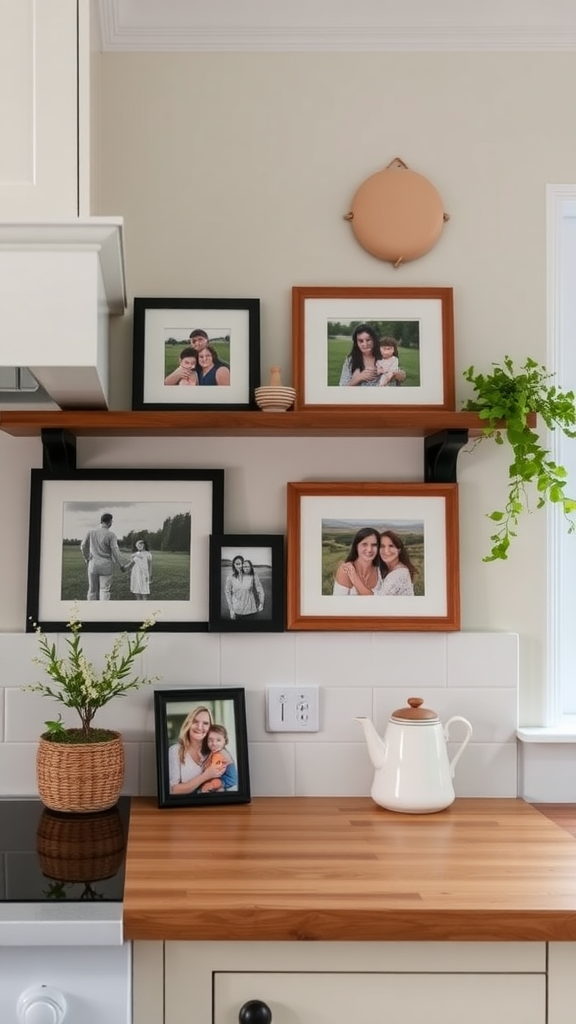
(560, 640)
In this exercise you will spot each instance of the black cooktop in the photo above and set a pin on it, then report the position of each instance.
(46, 856)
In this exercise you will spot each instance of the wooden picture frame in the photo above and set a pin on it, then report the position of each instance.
(199, 731)
(329, 327)
(172, 334)
(324, 520)
(236, 607)
(173, 511)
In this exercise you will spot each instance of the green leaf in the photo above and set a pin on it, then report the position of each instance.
(510, 395)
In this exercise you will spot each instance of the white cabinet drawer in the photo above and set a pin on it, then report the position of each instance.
(343, 998)
(346, 982)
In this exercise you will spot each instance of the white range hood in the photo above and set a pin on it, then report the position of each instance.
(59, 284)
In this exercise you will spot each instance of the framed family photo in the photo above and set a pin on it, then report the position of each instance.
(373, 556)
(247, 583)
(120, 544)
(362, 348)
(201, 747)
(195, 354)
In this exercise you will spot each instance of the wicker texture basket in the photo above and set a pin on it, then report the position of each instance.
(80, 777)
(85, 848)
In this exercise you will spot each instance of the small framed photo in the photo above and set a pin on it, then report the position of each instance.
(195, 354)
(363, 347)
(395, 546)
(247, 583)
(121, 544)
(201, 747)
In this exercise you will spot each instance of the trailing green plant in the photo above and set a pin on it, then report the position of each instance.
(76, 684)
(504, 399)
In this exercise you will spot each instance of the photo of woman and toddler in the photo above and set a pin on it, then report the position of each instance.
(200, 761)
(367, 355)
(378, 564)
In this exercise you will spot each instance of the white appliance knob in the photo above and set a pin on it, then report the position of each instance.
(41, 1005)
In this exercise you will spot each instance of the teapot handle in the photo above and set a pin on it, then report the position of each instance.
(465, 741)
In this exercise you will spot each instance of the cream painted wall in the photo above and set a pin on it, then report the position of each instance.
(233, 173)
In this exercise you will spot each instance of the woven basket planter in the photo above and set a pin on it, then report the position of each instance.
(80, 778)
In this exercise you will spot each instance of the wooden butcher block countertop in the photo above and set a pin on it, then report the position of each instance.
(344, 869)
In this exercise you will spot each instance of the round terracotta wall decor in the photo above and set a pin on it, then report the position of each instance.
(397, 214)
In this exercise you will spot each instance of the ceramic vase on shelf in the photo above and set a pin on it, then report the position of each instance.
(80, 778)
(273, 397)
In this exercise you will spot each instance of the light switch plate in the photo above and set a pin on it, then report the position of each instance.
(292, 709)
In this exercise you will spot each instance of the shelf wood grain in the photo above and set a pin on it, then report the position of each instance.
(335, 422)
(344, 869)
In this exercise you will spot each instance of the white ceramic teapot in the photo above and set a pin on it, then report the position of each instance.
(412, 770)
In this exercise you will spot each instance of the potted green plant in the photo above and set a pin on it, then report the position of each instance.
(81, 770)
(504, 399)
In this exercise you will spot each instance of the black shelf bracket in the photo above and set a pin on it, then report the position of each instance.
(59, 449)
(441, 455)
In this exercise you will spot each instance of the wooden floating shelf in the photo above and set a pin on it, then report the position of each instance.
(305, 423)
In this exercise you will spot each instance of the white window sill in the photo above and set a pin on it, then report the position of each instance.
(563, 733)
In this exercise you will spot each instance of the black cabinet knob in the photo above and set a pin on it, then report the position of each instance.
(255, 1012)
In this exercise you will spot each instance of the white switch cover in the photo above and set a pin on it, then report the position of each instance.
(292, 709)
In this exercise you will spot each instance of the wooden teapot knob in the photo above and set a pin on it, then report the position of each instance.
(415, 702)
(255, 1012)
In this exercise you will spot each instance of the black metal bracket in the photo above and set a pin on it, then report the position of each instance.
(441, 455)
(59, 449)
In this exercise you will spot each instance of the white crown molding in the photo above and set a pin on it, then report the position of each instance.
(336, 25)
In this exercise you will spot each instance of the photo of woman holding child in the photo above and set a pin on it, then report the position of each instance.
(201, 746)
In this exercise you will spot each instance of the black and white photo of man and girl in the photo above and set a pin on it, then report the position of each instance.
(126, 551)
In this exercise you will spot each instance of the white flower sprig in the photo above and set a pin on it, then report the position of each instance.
(78, 685)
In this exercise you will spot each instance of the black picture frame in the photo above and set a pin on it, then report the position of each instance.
(162, 331)
(266, 554)
(225, 708)
(146, 504)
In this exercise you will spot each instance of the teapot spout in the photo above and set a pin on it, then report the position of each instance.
(376, 745)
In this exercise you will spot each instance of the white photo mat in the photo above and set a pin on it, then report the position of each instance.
(196, 495)
(159, 321)
(322, 514)
(427, 312)
(431, 511)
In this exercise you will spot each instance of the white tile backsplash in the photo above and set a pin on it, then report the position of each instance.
(333, 769)
(470, 674)
(339, 659)
(486, 769)
(184, 659)
(253, 662)
(18, 769)
(272, 768)
(482, 659)
(416, 659)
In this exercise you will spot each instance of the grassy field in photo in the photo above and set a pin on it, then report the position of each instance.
(172, 354)
(170, 576)
(336, 544)
(339, 348)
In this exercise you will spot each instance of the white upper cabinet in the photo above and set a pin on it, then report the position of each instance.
(42, 107)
